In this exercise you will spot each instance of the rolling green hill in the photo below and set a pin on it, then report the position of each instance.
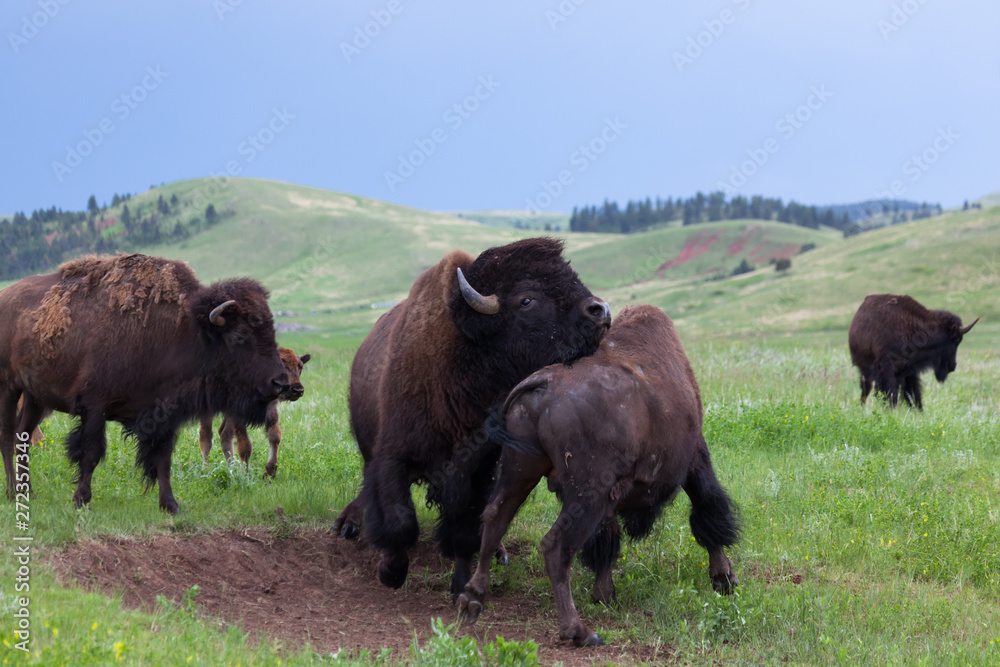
(327, 257)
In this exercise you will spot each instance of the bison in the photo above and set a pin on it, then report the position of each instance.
(425, 378)
(233, 427)
(137, 340)
(893, 339)
(617, 434)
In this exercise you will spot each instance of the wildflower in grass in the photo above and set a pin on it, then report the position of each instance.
(94, 626)
(119, 647)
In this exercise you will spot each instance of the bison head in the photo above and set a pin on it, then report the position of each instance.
(954, 332)
(524, 304)
(248, 373)
(293, 364)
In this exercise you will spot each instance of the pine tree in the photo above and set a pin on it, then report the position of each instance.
(92, 205)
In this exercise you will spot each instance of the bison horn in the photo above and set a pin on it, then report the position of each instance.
(487, 305)
(965, 330)
(216, 318)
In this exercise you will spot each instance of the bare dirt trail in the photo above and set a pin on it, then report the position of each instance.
(318, 588)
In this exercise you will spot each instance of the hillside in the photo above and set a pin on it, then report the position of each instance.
(327, 257)
(951, 262)
(517, 219)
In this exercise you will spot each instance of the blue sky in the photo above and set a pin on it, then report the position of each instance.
(473, 105)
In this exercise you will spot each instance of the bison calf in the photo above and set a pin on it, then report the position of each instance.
(893, 339)
(617, 434)
(232, 426)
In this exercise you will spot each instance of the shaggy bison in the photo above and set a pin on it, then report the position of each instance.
(426, 376)
(893, 339)
(617, 433)
(232, 427)
(137, 340)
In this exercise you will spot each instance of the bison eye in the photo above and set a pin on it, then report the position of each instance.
(526, 301)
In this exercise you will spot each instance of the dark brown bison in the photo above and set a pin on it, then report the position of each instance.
(617, 434)
(893, 339)
(426, 376)
(137, 340)
(232, 427)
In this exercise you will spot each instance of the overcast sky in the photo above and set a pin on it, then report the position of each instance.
(486, 105)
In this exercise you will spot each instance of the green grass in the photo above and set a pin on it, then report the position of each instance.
(890, 518)
(870, 536)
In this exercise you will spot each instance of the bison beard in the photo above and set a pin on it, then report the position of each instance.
(617, 433)
(424, 379)
(893, 339)
(137, 340)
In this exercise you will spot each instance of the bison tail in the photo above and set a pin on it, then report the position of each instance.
(497, 431)
(714, 516)
(603, 548)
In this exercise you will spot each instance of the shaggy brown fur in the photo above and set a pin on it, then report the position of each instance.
(617, 434)
(130, 339)
(426, 376)
(893, 338)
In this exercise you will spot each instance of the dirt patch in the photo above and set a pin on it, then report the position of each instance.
(316, 587)
(695, 246)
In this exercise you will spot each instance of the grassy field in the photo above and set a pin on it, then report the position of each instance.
(870, 536)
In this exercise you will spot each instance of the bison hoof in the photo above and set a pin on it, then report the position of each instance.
(468, 609)
(170, 506)
(392, 570)
(501, 556)
(346, 529)
(725, 583)
(587, 638)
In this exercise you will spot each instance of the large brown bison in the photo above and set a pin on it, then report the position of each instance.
(231, 427)
(426, 376)
(893, 339)
(137, 340)
(617, 434)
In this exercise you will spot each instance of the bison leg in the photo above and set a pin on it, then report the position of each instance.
(205, 436)
(273, 439)
(458, 534)
(153, 458)
(244, 448)
(515, 483)
(8, 412)
(599, 554)
(226, 434)
(348, 522)
(911, 391)
(713, 521)
(886, 383)
(866, 388)
(86, 446)
(560, 544)
(391, 522)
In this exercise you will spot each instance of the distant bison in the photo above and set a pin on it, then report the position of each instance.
(893, 339)
(137, 340)
(232, 427)
(425, 378)
(616, 433)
